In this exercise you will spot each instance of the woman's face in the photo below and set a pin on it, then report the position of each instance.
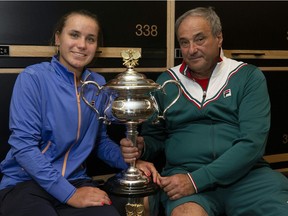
(77, 42)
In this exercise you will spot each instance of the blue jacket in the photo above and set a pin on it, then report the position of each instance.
(54, 131)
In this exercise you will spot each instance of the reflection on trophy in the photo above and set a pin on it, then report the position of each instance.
(131, 102)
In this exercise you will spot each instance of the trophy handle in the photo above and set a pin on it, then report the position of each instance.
(176, 98)
(106, 111)
(85, 100)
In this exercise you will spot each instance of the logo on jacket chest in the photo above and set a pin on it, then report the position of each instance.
(227, 93)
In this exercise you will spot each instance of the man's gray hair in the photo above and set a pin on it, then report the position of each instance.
(207, 13)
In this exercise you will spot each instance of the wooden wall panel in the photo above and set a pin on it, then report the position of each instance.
(124, 24)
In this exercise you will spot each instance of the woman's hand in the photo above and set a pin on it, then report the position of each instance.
(89, 196)
(149, 170)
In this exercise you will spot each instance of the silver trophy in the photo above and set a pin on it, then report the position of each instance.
(131, 102)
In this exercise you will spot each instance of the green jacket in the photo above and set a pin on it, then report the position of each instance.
(217, 136)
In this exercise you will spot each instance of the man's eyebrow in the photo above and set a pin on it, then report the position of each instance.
(199, 34)
(194, 36)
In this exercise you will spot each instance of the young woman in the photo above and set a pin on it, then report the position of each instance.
(54, 131)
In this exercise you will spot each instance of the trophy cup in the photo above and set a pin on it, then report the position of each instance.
(131, 102)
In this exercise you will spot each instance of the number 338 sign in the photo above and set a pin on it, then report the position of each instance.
(146, 30)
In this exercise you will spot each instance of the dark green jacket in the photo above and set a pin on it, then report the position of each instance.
(217, 136)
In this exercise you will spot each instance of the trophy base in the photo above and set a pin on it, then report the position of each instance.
(130, 184)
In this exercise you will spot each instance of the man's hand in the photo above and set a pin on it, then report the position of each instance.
(131, 153)
(177, 186)
(89, 196)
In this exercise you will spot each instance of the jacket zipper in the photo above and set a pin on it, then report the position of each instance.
(78, 127)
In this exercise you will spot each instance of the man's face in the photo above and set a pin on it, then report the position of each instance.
(200, 49)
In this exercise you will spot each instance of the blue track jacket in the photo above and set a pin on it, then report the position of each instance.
(54, 131)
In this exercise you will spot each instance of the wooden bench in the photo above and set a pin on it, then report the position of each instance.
(278, 162)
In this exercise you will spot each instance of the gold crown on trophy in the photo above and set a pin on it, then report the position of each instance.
(130, 57)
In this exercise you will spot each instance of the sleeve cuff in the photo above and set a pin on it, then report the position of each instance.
(62, 190)
(193, 183)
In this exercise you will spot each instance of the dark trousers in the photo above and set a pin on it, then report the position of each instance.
(29, 199)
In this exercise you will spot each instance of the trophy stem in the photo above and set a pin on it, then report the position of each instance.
(131, 134)
(133, 177)
(132, 183)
